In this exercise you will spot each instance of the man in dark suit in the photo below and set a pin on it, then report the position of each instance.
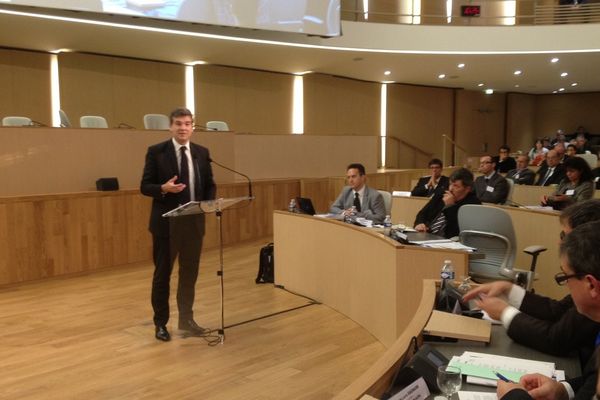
(176, 172)
(551, 171)
(440, 215)
(432, 184)
(368, 202)
(504, 162)
(521, 175)
(580, 272)
(491, 187)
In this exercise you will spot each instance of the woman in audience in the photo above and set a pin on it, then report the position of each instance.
(537, 154)
(577, 186)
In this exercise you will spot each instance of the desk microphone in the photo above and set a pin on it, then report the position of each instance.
(37, 124)
(206, 128)
(512, 203)
(124, 125)
(236, 172)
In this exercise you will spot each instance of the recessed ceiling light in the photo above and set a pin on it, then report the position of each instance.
(518, 72)
(441, 76)
(564, 74)
(516, 85)
(58, 51)
(461, 65)
(302, 73)
(388, 81)
(562, 89)
(480, 84)
(574, 84)
(489, 91)
(197, 62)
(387, 72)
(554, 60)
(555, 91)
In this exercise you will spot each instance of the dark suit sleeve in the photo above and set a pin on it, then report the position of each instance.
(420, 190)
(500, 191)
(517, 394)
(557, 337)
(527, 178)
(544, 307)
(150, 185)
(431, 210)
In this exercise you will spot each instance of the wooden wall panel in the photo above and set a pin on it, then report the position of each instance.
(418, 116)
(567, 112)
(25, 83)
(120, 89)
(248, 100)
(479, 121)
(521, 131)
(340, 106)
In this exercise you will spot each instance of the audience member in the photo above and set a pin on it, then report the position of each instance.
(580, 131)
(368, 202)
(504, 162)
(491, 187)
(571, 150)
(551, 326)
(561, 151)
(552, 171)
(440, 215)
(546, 142)
(559, 138)
(432, 184)
(582, 145)
(537, 154)
(576, 187)
(521, 175)
(596, 177)
(580, 272)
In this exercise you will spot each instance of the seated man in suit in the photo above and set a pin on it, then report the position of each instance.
(440, 214)
(432, 184)
(551, 326)
(521, 175)
(491, 187)
(580, 272)
(551, 171)
(504, 162)
(368, 202)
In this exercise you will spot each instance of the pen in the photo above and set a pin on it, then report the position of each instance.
(502, 377)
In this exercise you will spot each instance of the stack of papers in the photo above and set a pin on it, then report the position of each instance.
(481, 367)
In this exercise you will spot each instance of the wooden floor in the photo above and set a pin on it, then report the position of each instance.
(92, 337)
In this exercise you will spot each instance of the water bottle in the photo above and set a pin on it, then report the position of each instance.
(292, 206)
(447, 273)
(387, 225)
(351, 217)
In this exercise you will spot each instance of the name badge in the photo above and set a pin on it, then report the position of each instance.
(570, 192)
(516, 176)
(489, 189)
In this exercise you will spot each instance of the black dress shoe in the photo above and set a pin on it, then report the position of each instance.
(162, 333)
(191, 326)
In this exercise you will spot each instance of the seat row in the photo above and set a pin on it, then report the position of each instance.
(151, 121)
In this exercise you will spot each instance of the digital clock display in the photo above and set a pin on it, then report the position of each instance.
(470, 11)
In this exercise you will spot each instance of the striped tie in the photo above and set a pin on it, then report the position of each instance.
(438, 225)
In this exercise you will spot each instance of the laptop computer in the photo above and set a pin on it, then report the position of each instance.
(305, 206)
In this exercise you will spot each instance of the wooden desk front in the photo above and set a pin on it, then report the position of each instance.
(366, 276)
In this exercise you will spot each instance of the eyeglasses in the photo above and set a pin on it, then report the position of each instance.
(485, 162)
(561, 278)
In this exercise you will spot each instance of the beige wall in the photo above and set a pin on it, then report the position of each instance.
(121, 90)
(25, 83)
(521, 131)
(340, 106)
(480, 121)
(418, 116)
(248, 100)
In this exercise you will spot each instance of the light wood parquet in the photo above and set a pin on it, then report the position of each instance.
(91, 337)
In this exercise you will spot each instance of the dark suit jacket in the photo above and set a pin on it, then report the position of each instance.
(558, 175)
(161, 165)
(505, 165)
(554, 327)
(500, 193)
(526, 176)
(421, 191)
(436, 205)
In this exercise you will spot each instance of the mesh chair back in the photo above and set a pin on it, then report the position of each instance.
(217, 126)
(490, 230)
(16, 121)
(387, 200)
(93, 121)
(156, 121)
(65, 122)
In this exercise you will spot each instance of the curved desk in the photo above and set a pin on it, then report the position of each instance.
(366, 276)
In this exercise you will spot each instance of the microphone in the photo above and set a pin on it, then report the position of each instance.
(37, 124)
(124, 125)
(236, 172)
(514, 204)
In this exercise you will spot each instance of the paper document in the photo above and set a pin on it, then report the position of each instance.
(464, 395)
(450, 245)
(484, 365)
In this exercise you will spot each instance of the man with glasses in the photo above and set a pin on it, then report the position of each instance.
(548, 325)
(491, 187)
(432, 184)
(580, 272)
(504, 162)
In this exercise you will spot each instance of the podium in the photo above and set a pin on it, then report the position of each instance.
(209, 207)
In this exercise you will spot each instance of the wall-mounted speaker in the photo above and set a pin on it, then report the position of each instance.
(106, 184)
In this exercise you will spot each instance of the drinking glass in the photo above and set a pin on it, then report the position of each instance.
(449, 380)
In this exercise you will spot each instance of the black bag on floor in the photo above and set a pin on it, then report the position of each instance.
(266, 265)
